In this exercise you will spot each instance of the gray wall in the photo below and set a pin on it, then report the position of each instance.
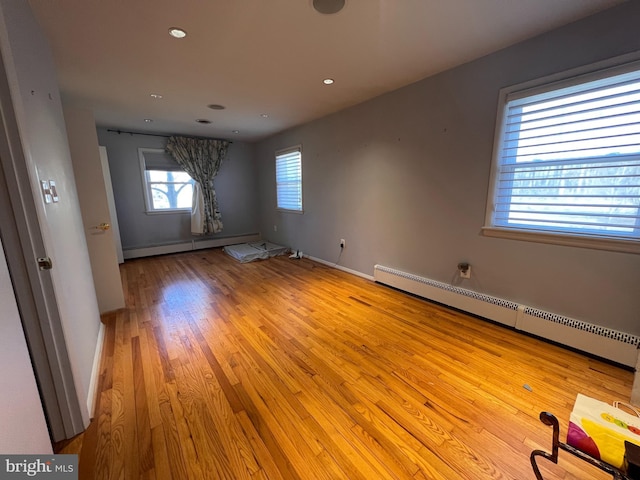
(236, 190)
(404, 178)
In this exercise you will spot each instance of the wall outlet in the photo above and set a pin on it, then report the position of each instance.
(465, 270)
(342, 243)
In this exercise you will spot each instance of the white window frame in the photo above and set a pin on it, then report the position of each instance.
(279, 153)
(622, 64)
(146, 186)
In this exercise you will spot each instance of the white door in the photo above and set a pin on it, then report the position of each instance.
(94, 207)
(24, 429)
(115, 229)
(102, 236)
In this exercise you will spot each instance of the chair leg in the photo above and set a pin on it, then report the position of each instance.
(548, 419)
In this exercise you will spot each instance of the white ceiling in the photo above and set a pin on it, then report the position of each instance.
(269, 56)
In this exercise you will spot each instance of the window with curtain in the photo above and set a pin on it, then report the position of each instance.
(289, 179)
(167, 187)
(567, 161)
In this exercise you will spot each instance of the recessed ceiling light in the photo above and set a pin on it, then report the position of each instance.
(203, 120)
(264, 115)
(235, 131)
(155, 95)
(176, 32)
(328, 7)
(148, 120)
(215, 106)
(328, 81)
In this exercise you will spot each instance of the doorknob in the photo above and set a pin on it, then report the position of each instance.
(103, 226)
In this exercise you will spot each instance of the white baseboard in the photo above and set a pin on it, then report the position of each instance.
(340, 267)
(196, 244)
(95, 372)
(598, 340)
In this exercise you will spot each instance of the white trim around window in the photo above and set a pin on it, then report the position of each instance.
(566, 161)
(154, 162)
(289, 179)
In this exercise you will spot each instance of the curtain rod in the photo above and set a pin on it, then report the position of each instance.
(161, 135)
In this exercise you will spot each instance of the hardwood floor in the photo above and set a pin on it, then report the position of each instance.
(287, 369)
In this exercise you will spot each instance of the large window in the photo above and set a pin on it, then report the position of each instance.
(567, 161)
(167, 187)
(289, 179)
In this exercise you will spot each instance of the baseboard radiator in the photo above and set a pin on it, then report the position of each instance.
(195, 244)
(603, 342)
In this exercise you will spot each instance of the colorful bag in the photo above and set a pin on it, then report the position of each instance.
(600, 430)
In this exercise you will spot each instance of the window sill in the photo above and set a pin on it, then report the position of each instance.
(581, 241)
(285, 210)
(167, 212)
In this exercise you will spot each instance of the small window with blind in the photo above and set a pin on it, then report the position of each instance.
(567, 162)
(167, 188)
(289, 179)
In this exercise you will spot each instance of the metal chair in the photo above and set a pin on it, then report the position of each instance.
(550, 419)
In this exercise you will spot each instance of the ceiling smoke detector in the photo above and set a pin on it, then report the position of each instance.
(328, 7)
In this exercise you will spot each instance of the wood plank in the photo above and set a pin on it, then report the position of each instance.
(292, 370)
(143, 425)
(119, 413)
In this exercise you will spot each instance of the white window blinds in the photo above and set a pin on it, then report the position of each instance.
(160, 160)
(289, 179)
(569, 158)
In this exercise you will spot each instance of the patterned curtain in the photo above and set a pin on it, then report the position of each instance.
(201, 159)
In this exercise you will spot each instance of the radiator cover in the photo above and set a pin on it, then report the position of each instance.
(601, 341)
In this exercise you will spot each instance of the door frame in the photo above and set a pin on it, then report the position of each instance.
(23, 243)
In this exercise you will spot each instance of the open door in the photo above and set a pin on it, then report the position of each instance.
(24, 428)
(115, 228)
(93, 186)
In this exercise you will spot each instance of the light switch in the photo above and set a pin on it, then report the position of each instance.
(53, 191)
(46, 191)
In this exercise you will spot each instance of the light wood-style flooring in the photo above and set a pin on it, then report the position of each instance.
(288, 369)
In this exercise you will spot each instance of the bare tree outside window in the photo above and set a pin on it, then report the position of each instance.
(170, 190)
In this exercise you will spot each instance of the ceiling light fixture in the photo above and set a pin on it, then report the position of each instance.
(215, 106)
(148, 120)
(328, 7)
(235, 131)
(155, 95)
(203, 121)
(176, 32)
(264, 115)
(328, 81)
